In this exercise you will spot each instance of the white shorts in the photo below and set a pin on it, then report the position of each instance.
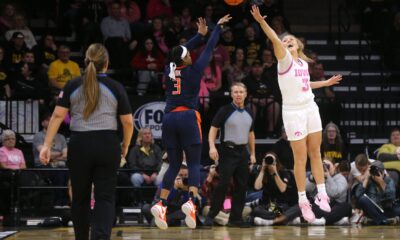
(301, 121)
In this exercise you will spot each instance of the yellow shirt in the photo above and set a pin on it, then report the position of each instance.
(387, 148)
(62, 72)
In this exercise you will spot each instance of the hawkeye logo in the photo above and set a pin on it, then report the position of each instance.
(150, 115)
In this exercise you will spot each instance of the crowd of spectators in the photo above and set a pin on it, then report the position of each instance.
(138, 35)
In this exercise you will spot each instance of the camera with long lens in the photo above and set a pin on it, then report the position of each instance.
(375, 170)
(269, 159)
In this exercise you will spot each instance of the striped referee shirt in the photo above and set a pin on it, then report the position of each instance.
(113, 101)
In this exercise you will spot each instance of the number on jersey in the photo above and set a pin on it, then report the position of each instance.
(177, 86)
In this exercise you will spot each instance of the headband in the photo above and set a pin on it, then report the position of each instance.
(172, 65)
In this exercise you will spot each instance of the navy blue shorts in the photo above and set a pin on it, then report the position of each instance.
(181, 128)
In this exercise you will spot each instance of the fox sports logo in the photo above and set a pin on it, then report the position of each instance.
(150, 115)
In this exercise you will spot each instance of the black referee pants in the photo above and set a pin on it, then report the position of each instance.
(93, 158)
(233, 163)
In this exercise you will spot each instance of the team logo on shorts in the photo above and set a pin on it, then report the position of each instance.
(298, 133)
(150, 115)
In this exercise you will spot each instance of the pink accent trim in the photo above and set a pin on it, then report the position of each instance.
(282, 73)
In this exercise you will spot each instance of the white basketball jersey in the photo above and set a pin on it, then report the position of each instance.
(294, 81)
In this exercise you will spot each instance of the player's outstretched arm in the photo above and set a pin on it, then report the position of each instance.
(202, 30)
(331, 81)
(279, 49)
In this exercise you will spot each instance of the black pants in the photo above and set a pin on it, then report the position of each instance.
(233, 163)
(93, 158)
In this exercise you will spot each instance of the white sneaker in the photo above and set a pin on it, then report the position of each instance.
(296, 221)
(357, 218)
(189, 209)
(262, 222)
(318, 222)
(160, 215)
(343, 221)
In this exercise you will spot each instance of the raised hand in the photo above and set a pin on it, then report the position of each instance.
(334, 80)
(256, 13)
(202, 26)
(224, 19)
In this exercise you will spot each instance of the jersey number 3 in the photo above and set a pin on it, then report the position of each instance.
(177, 86)
(306, 85)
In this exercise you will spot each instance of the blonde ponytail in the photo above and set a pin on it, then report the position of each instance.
(301, 53)
(96, 60)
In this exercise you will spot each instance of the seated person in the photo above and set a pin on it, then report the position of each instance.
(58, 155)
(359, 169)
(336, 188)
(179, 194)
(283, 150)
(145, 158)
(207, 189)
(332, 143)
(278, 186)
(390, 151)
(58, 159)
(10, 156)
(13, 159)
(376, 195)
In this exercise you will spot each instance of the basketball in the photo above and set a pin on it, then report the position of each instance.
(233, 2)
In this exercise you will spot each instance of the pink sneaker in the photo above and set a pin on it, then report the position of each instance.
(190, 211)
(307, 212)
(322, 200)
(160, 215)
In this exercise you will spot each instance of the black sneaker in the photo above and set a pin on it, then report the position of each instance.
(240, 224)
(209, 222)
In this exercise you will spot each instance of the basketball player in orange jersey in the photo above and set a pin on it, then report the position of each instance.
(300, 113)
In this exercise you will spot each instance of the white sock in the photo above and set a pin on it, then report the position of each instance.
(302, 197)
(321, 188)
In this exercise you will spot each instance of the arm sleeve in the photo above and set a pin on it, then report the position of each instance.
(63, 142)
(335, 187)
(3, 157)
(124, 106)
(22, 163)
(384, 157)
(390, 190)
(252, 122)
(52, 72)
(354, 172)
(194, 41)
(63, 100)
(285, 63)
(205, 56)
(104, 28)
(219, 118)
(131, 159)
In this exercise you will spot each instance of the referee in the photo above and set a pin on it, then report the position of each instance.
(95, 102)
(237, 139)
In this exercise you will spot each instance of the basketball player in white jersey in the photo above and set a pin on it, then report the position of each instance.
(300, 113)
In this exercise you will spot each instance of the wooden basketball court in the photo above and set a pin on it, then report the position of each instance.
(224, 233)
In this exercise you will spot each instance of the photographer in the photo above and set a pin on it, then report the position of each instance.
(376, 195)
(278, 186)
(179, 194)
(336, 188)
